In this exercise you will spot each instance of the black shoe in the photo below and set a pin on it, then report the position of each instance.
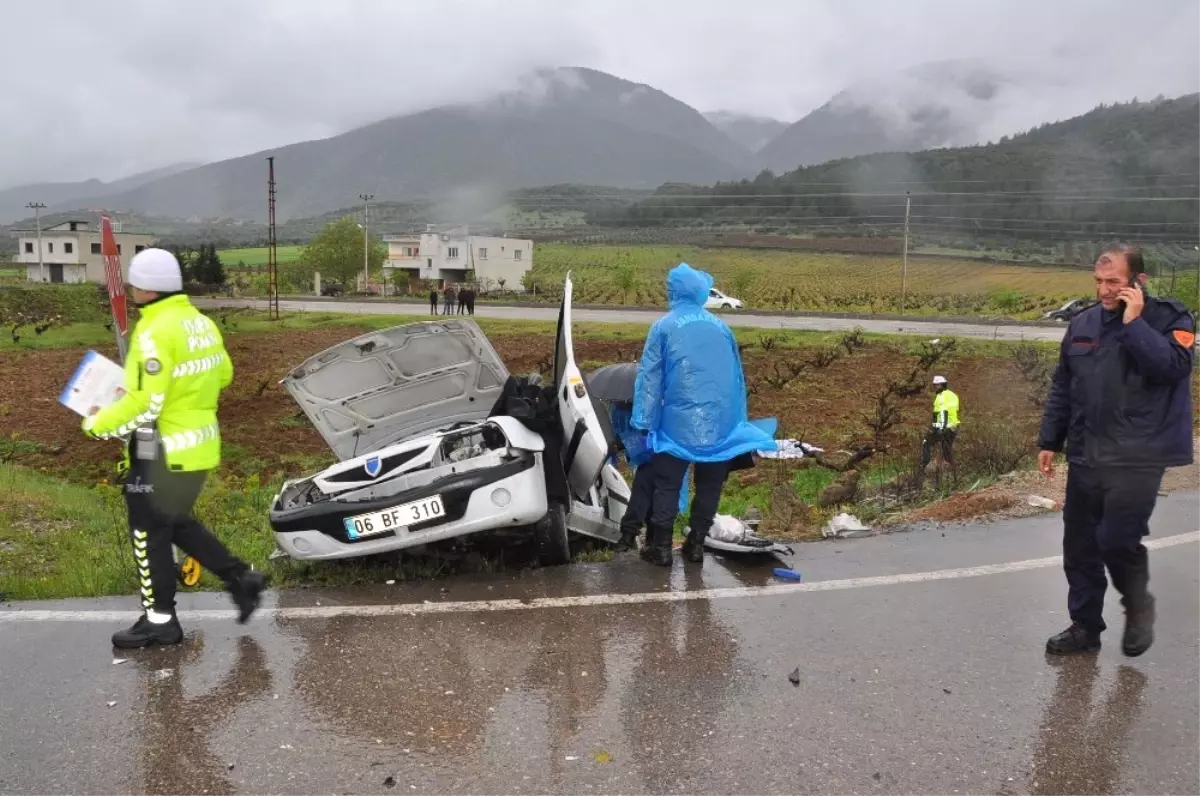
(693, 550)
(247, 593)
(1139, 627)
(627, 543)
(145, 633)
(659, 556)
(1073, 640)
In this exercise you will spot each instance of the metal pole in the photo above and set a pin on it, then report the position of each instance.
(904, 268)
(37, 217)
(366, 197)
(272, 264)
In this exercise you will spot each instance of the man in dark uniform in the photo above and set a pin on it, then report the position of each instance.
(433, 305)
(1121, 403)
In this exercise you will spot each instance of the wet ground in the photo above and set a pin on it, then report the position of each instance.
(919, 656)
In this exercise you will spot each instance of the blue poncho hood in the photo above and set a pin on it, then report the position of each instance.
(687, 287)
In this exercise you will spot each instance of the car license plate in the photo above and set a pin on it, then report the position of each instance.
(395, 518)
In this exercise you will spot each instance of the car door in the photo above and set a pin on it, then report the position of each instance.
(587, 433)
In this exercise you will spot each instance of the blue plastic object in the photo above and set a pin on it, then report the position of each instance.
(690, 392)
(787, 574)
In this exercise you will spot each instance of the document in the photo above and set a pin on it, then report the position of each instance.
(98, 382)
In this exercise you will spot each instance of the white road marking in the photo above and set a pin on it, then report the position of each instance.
(480, 606)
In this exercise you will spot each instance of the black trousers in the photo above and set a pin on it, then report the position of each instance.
(945, 438)
(159, 505)
(637, 513)
(668, 480)
(1106, 514)
(433, 305)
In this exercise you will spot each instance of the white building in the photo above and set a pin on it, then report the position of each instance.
(448, 256)
(71, 251)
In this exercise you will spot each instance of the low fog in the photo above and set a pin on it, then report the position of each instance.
(108, 90)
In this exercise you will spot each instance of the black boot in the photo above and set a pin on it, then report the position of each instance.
(627, 543)
(1139, 625)
(246, 590)
(145, 633)
(693, 548)
(658, 551)
(1073, 640)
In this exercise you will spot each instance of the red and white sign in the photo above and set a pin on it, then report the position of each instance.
(116, 282)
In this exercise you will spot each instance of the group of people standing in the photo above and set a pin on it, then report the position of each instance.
(462, 298)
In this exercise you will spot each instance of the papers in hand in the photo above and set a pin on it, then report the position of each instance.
(98, 382)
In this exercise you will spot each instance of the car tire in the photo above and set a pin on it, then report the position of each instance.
(554, 545)
(726, 306)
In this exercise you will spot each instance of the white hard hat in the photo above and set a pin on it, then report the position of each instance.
(939, 379)
(155, 270)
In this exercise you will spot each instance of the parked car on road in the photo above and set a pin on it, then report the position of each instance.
(1069, 310)
(718, 300)
(331, 289)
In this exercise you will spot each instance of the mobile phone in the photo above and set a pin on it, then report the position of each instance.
(1133, 282)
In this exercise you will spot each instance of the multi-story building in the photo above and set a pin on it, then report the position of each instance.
(448, 257)
(71, 252)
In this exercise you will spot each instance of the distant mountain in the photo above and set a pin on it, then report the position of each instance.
(13, 200)
(752, 133)
(568, 125)
(1072, 179)
(930, 106)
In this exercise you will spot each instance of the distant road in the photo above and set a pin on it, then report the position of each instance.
(931, 328)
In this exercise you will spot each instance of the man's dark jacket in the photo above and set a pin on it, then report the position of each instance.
(1121, 394)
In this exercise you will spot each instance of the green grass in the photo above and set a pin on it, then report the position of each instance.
(257, 256)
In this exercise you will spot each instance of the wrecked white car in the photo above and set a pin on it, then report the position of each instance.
(436, 441)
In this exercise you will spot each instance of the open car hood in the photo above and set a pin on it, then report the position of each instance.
(388, 386)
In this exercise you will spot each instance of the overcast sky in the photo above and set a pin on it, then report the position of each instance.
(108, 89)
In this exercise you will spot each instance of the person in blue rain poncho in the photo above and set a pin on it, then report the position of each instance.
(690, 399)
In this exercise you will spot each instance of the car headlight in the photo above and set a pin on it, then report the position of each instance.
(501, 497)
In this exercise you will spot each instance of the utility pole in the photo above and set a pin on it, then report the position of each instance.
(366, 197)
(904, 268)
(37, 207)
(272, 263)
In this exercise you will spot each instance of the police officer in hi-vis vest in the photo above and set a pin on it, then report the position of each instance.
(174, 372)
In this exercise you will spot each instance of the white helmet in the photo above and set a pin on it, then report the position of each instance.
(939, 379)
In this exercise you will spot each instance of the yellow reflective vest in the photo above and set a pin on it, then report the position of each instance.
(175, 370)
(945, 410)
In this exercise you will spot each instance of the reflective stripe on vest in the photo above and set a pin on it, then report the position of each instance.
(193, 366)
(185, 440)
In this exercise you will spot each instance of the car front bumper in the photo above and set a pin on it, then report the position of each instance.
(317, 531)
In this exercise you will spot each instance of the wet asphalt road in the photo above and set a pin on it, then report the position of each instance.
(935, 684)
(810, 322)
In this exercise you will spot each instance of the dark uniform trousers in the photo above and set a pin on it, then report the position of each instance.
(669, 472)
(944, 437)
(637, 513)
(159, 503)
(1105, 515)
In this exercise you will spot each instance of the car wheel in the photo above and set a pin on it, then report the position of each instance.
(726, 306)
(554, 547)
